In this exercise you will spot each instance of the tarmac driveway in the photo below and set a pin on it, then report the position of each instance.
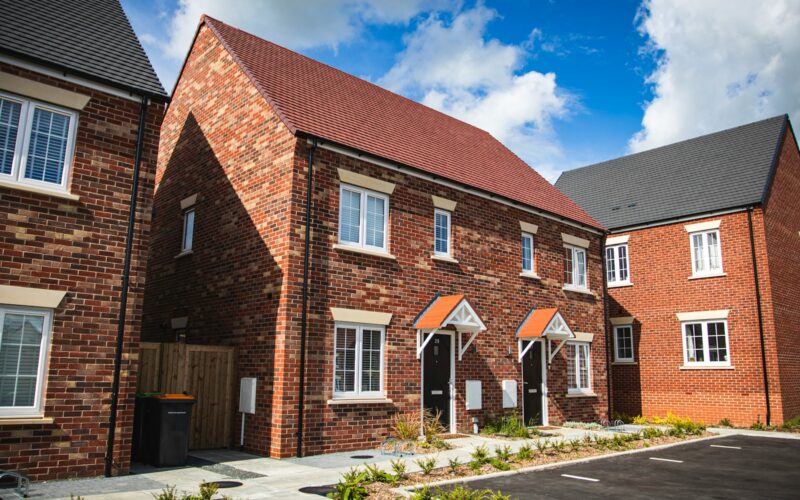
(727, 467)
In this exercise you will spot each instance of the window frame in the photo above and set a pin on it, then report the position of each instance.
(20, 160)
(362, 220)
(574, 272)
(617, 358)
(37, 410)
(530, 237)
(706, 256)
(577, 345)
(190, 247)
(357, 393)
(449, 216)
(614, 249)
(706, 346)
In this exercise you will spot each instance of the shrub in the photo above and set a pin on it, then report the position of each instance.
(559, 446)
(480, 454)
(525, 452)
(406, 425)
(432, 426)
(453, 464)
(423, 493)
(508, 425)
(792, 424)
(725, 422)
(624, 418)
(377, 475)
(351, 486)
(426, 464)
(499, 464)
(399, 468)
(503, 452)
(457, 493)
(542, 445)
(206, 492)
(757, 425)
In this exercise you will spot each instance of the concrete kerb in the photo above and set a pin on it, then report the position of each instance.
(727, 431)
(407, 491)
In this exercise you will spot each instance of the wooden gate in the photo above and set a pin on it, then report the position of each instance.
(206, 372)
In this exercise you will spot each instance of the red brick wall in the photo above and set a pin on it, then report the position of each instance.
(660, 265)
(242, 285)
(78, 246)
(782, 221)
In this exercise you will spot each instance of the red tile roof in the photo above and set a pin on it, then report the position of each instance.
(534, 324)
(436, 314)
(326, 103)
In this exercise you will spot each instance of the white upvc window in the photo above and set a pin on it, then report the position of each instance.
(617, 265)
(188, 230)
(575, 267)
(705, 343)
(442, 233)
(706, 253)
(358, 367)
(623, 344)
(363, 218)
(527, 254)
(24, 342)
(37, 142)
(579, 368)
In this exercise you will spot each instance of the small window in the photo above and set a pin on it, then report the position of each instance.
(527, 253)
(617, 264)
(706, 343)
(358, 361)
(188, 230)
(578, 368)
(36, 142)
(442, 232)
(24, 339)
(575, 267)
(363, 218)
(623, 344)
(706, 253)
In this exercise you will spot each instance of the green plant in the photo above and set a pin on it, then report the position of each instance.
(508, 425)
(725, 422)
(456, 493)
(168, 493)
(791, 424)
(559, 446)
(624, 418)
(377, 475)
(454, 464)
(426, 464)
(479, 454)
(351, 486)
(503, 452)
(587, 439)
(499, 463)
(406, 425)
(574, 445)
(399, 468)
(206, 492)
(525, 452)
(432, 425)
(423, 493)
(542, 445)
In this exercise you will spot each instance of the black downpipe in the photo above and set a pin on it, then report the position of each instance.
(760, 316)
(123, 300)
(304, 317)
(609, 342)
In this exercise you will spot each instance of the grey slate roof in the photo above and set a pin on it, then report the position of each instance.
(90, 38)
(723, 170)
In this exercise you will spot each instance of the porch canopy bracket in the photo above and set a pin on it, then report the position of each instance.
(543, 324)
(448, 311)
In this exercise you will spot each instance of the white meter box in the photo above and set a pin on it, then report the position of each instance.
(247, 395)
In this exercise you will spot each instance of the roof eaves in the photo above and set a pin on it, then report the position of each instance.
(776, 157)
(209, 21)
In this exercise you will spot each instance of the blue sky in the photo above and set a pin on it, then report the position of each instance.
(563, 83)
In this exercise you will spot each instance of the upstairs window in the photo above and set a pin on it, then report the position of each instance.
(363, 218)
(36, 142)
(188, 231)
(527, 253)
(358, 361)
(579, 368)
(706, 253)
(574, 267)
(442, 232)
(24, 339)
(623, 344)
(617, 265)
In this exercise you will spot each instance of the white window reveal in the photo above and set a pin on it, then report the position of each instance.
(442, 233)
(617, 265)
(363, 218)
(579, 368)
(358, 361)
(527, 253)
(575, 267)
(706, 343)
(623, 344)
(24, 339)
(706, 253)
(188, 231)
(36, 142)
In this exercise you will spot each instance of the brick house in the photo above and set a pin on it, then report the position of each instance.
(433, 253)
(703, 262)
(79, 103)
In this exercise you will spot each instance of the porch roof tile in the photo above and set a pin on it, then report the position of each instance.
(437, 313)
(535, 323)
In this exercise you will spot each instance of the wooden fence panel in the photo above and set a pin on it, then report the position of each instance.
(149, 367)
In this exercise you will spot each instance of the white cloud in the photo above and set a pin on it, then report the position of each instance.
(720, 64)
(452, 67)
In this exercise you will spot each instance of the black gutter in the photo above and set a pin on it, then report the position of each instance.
(609, 342)
(304, 317)
(123, 300)
(760, 315)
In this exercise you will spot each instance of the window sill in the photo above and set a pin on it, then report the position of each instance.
(365, 251)
(621, 284)
(184, 254)
(444, 258)
(581, 395)
(359, 401)
(585, 291)
(706, 367)
(624, 363)
(529, 275)
(702, 276)
(38, 190)
(25, 420)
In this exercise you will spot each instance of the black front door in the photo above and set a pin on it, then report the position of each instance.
(436, 375)
(532, 386)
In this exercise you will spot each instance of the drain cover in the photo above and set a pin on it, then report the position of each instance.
(362, 457)
(225, 484)
(318, 490)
